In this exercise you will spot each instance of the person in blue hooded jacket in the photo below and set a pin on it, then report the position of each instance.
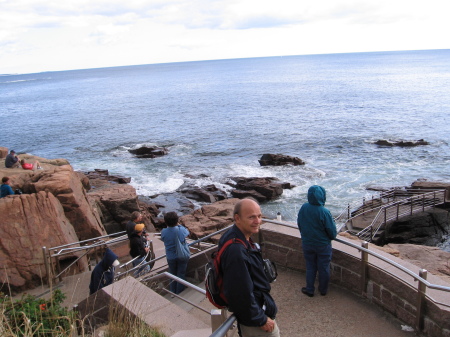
(103, 273)
(317, 229)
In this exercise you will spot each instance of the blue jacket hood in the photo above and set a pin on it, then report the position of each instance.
(317, 195)
(108, 258)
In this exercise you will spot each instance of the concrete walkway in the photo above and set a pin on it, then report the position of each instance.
(340, 313)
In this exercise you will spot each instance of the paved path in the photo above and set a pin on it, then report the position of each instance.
(339, 313)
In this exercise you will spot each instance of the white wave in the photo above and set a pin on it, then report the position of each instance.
(34, 79)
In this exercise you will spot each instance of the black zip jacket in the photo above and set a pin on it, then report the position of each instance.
(245, 284)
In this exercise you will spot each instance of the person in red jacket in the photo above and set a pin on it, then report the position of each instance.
(29, 166)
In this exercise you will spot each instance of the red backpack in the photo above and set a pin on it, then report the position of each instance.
(214, 276)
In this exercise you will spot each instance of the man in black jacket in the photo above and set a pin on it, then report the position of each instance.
(245, 284)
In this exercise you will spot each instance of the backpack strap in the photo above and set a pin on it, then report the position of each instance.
(225, 246)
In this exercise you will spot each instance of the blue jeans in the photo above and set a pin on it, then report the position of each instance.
(318, 260)
(178, 268)
(142, 270)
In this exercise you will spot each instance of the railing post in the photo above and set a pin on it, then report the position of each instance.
(58, 267)
(412, 206)
(348, 211)
(47, 267)
(398, 208)
(420, 306)
(364, 268)
(218, 316)
(423, 202)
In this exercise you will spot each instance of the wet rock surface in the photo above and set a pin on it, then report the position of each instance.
(269, 159)
(401, 143)
(149, 152)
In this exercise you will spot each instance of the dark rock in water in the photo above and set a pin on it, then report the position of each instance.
(279, 159)
(209, 193)
(149, 152)
(167, 202)
(401, 143)
(241, 194)
(262, 189)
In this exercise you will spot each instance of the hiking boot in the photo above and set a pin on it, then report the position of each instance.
(307, 293)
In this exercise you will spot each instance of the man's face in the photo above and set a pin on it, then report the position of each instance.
(249, 219)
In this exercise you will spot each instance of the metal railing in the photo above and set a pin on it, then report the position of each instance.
(377, 203)
(192, 244)
(220, 324)
(421, 277)
(76, 250)
(397, 209)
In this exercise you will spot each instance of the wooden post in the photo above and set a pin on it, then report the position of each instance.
(420, 306)
(364, 268)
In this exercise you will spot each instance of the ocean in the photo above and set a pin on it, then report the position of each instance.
(217, 118)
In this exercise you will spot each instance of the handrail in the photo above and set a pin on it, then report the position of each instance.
(379, 256)
(423, 199)
(223, 329)
(391, 194)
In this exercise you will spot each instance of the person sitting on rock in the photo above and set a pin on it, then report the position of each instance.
(11, 160)
(29, 166)
(103, 273)
(5, 189)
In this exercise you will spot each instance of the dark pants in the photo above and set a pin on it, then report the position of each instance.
(178, 268)
(318, 260)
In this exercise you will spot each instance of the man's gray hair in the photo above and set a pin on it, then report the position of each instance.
(238, 206)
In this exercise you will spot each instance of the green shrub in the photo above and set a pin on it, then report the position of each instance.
(31, 316)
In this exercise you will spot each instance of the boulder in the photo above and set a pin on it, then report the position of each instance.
(262, 189)
(66, 186)
(209, 218)
(149, 152)
(102, 174)
(30, 222)
(209, 193)
(115, 203)
(279, 159)
(401, 143)
(432, 259)
(425, 184)
(163, 203)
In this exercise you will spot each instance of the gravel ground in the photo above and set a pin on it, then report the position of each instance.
(339, 313)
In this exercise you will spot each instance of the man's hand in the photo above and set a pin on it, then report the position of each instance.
(269, 326)
(146, 249)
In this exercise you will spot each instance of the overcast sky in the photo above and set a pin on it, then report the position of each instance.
(44, 35)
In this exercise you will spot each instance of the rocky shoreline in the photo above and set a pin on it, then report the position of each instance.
(60, 206)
